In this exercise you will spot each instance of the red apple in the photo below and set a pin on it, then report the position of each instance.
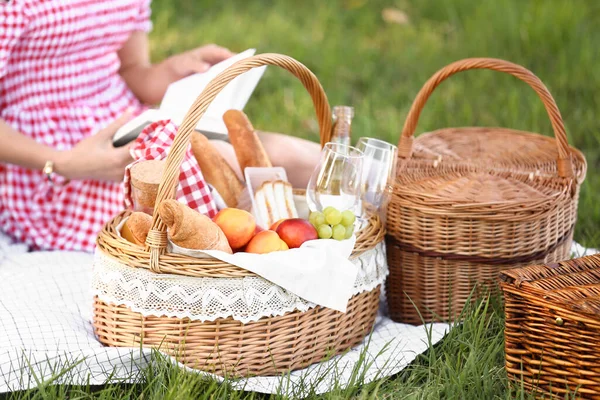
(296, 231)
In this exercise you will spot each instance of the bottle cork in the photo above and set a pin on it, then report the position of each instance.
(145, 178)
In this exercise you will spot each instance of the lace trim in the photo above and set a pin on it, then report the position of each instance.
(207, 299)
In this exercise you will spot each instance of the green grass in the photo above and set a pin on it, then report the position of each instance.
(378, 68)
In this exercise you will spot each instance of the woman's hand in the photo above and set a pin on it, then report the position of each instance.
(95, 157)
(197, 60)
(149, 82)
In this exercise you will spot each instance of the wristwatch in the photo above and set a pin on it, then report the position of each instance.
(49, 171)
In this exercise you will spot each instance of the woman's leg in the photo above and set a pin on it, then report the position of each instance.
(297, 156)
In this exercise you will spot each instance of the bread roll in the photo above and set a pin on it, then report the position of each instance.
(248, 148)
(136, 228)
(216, 170)
(190, 229)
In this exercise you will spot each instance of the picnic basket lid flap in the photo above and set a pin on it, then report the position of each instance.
(477, 188)
(462, 190)
(573, 284)
(509, 149)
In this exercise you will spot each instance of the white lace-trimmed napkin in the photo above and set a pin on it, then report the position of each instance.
(320, 271)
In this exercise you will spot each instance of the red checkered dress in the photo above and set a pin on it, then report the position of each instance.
(59, 83)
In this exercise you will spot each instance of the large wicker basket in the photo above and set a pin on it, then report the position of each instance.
(269, 346)
(470, 202)
(552, 328)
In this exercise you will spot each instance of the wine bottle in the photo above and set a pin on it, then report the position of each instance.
(342, 124)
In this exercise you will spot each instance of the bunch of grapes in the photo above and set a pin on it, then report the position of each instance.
(333, 223)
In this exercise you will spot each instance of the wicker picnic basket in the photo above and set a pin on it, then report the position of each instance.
(225, 346)
(552, 331)
(470, 202)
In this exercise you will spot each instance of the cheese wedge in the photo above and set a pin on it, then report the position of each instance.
(274, 201)
(284, 198)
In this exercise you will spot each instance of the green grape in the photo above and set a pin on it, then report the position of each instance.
(349, 232)
(348, 218)
(339, 232)
(319, 220)
(324, 232)
(316, 218)
(333, 217)
(328, 209)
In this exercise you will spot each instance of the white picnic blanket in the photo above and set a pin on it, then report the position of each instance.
(45, 325)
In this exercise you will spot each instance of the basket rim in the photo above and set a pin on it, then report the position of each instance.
(112, 244)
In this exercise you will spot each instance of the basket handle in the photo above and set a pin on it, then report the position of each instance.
(405, 145)
(157, 237)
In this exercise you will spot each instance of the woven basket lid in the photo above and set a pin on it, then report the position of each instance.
(449, 190)
(498, 148)
(571, 284)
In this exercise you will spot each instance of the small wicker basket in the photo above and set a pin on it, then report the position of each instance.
(469, 202)
(552, 333)
(271, 345)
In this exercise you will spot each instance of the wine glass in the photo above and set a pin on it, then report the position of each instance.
(378, 173)
(335, 181)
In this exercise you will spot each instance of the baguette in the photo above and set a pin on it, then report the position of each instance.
(216, 170)
(248, 148)
(190, 229)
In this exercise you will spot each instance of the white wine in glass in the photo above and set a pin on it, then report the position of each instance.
(335, 181)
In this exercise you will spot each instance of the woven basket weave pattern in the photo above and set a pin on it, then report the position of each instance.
(552, 331)
(469, 202)
(229, 347)
(438, 288)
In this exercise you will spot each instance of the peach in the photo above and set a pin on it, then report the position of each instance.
(237, 225)
(295, 231)
(276, 224)
(266, 242)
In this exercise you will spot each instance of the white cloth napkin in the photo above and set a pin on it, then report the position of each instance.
(319, 271)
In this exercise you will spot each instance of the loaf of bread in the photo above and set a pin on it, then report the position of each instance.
(190, 229)
(217, 172)
(136, 228)
(248, 148)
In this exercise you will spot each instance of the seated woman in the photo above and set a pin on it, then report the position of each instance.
(70, 75)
